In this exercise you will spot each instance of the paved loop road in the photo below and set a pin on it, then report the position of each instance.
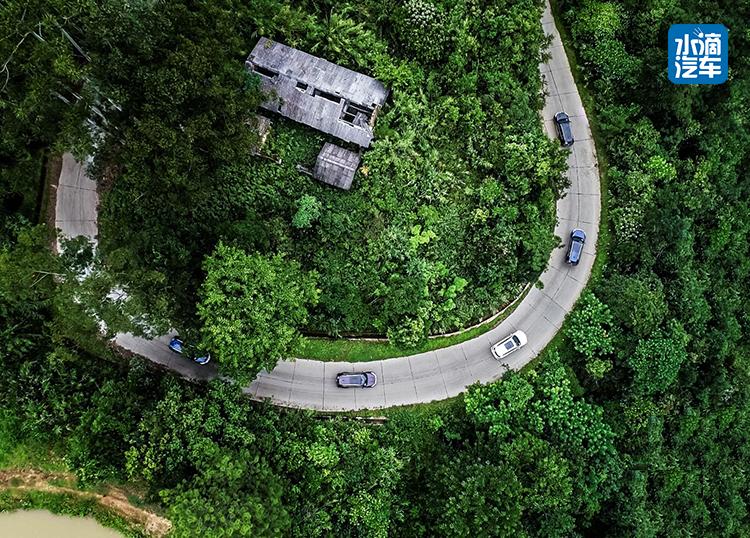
(425, 377)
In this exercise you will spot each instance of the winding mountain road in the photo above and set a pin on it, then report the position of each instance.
(434, 375)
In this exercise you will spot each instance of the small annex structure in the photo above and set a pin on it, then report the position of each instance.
(336, 166)
(318, 93)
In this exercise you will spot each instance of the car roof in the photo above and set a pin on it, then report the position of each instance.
(518, 334)
(575, 251)
(351, 374)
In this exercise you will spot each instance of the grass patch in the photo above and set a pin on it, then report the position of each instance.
(19, 453)
(425, 410)
(48, 196)
(329, 349)
(66, 505)
(28, 454)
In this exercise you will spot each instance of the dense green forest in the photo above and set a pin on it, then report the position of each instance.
(673, 302)
(451, 213)
(637, 424)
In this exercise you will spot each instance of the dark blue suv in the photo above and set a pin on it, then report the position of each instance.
(575, 248)
(564, 130)
(178, 346)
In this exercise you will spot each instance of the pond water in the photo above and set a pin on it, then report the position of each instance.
(43, 524)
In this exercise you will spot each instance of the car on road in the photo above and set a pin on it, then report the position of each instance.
(564, 129)
(360, 380)
(510, 344)
(178, 346)
(575, 248)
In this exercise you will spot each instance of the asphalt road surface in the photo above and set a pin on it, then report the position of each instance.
(435, 375)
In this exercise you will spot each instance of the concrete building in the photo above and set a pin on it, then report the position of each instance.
(318, 93)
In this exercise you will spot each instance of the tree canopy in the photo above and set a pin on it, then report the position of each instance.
(636, 424)
(250, 307)
(460, 171)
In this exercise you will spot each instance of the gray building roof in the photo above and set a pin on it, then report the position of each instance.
(318, 93)
(336, 166)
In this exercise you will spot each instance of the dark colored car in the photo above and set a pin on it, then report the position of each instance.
(177, 345)
(564, 129)
(362, 380)
(575, 248)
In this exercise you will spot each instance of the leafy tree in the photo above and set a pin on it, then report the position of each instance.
(26, 290)
(100, 439)
(657, 360)
(589, 332)
(177, 124)
(91, 299)
(345, 481)
(44, 90)
(232, 495)
(344, 40)
(637, 301)
(561, 449)
(183, 428)
(308, 212)
(487, 502)
(424, 30)
(250, 307)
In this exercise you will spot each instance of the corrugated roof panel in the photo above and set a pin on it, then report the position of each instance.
(291, 65)
(336, 166)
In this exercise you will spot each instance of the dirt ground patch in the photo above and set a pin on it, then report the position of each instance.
(114, 499)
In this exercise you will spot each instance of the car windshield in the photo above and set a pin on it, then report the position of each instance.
(516, 340)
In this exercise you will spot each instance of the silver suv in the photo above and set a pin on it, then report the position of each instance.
(362, 380)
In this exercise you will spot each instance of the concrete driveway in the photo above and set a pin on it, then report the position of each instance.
(425, 377)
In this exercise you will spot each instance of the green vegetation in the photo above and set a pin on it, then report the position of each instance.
(19, 196)
(250, 307)
(358, 350)
(678, 263)
(15, 452)
(637, 424)
(452, 210)
(66, 505)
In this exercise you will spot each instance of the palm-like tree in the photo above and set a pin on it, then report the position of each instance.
(342, 40)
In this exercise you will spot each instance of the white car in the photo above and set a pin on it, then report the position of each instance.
(507, 346)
